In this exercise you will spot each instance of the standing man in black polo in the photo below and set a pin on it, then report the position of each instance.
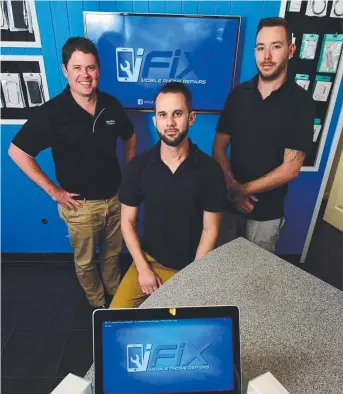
(183, 191)
(268, 122)
(81, 126)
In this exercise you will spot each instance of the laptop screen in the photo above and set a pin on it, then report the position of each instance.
(168, 356)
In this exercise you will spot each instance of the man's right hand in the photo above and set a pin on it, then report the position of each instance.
(65, 199)
(246, 204)
(148, 281)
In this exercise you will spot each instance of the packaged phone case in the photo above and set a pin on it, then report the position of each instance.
(309, 46)
(19, 15)
(322, 88)
(303, 80)
(316, 129)
(13, 93)
(3, 16)
(294, 5)
(330, 54)
(33, 82)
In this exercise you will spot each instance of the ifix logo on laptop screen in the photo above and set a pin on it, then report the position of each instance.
(168, 356)
(172, 357)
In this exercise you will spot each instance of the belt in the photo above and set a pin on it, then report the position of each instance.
(84, 198)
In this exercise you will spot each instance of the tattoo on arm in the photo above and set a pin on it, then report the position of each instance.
(292, 155)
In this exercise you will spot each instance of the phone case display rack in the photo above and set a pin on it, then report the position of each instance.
(21, 88)
(318, 30)
(16, 22)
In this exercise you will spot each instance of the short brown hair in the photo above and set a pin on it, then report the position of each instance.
(275, 21)
(78, 44)
(177, 87)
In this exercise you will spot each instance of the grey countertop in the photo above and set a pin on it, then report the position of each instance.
(291, 322)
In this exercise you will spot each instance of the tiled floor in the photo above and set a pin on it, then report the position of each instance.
(46, 326)
(46, 319)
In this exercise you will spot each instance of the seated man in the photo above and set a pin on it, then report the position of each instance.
(183, 191)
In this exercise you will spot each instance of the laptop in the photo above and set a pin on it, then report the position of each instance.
(167, 350)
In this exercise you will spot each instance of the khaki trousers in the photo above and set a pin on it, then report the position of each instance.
(129, 294)
(262, 233)
(95, 225)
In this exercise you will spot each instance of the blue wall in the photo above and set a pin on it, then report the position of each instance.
(24, 204)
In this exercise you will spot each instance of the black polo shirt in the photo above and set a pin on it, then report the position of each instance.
(173, 203)
(260, 132)
(83, 146)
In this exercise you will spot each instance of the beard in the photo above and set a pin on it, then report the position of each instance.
(176, 141)
(275, 74)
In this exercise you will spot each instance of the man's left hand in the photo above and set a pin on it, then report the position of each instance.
(234, 191)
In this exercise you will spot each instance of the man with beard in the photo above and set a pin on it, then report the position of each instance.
(183, 191)
(268, 122)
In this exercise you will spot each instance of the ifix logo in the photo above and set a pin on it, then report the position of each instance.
(176, 357)
(129, 64)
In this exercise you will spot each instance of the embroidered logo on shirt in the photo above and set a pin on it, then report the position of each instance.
(110, 122)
